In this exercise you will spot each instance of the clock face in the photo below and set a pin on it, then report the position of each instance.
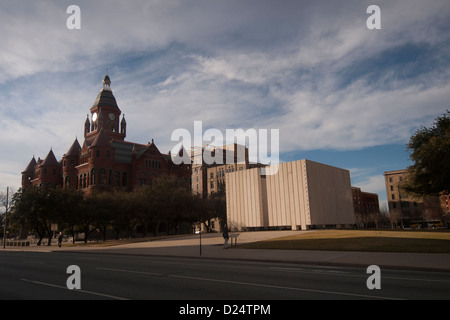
(94, 116)
(111, 116)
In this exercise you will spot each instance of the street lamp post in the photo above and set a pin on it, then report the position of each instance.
(6, 211)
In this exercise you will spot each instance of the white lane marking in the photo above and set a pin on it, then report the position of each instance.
(286, 288)
(301, 270)
(131, 271)
(34, 262)
(348, 274)
(82, 291)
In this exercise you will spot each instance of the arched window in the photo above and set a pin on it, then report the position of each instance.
(92, 176)
(117, 179)
(67, 181)
(102, 176)
(142, 181)
(124, 179)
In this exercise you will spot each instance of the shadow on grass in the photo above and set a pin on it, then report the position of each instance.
(368, 244)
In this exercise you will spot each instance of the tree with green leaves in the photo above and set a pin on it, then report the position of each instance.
(168, 205)
(214, 208)
(429, 149)
(171, 202)
(32, 209)
(66, 204)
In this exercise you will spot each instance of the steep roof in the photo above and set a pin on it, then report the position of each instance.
(50, 160)
(75, 149)
(30, 167)
(105, 98)
(123, 151)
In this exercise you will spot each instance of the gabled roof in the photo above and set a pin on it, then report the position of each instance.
(50, 160)
(30, 167)
(144, 148)
(101, 139)
(125, 150)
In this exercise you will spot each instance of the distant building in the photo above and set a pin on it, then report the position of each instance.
(407, 207)
(208, 178)
(365, 205)
(105, 161)
(301, 195)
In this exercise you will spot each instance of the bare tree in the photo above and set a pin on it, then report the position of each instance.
(5, 204)
(375, 217)
(3, 201)
(394, 216)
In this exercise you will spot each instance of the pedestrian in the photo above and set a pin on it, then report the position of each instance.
(225, 237)
(60, 238)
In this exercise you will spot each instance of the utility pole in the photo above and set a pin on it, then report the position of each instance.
(6, 211)
(200, 239)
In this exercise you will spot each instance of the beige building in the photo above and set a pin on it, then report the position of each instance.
(406, 208)
(299, 195)
(209, 177)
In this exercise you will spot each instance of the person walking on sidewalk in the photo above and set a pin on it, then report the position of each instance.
(225, 237)
(60, 238)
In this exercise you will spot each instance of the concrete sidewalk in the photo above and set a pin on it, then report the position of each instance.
(212, 247)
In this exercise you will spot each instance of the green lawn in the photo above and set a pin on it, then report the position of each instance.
(360, 240)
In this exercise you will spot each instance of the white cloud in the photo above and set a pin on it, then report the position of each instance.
(369, 182)
(231, 64)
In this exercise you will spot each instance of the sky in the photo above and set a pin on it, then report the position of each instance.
(338, 92)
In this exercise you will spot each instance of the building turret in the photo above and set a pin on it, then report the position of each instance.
(105, 115)
(28, 174)
(123, 126)
(50, 171)
(87, 126)
(70, 160)
(101, 162)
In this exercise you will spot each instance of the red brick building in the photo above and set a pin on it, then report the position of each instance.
(365, 203)
(105, 161)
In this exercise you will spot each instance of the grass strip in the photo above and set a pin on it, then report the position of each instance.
(360, 240)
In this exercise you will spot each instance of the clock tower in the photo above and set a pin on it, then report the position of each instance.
(105, 114)
(105, 161)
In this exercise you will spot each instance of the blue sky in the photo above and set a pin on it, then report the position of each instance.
(339, 93)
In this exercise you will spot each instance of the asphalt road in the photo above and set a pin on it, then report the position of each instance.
(43, 276)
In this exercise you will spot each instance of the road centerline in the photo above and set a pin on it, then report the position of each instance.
(285, 288)
(131, 271)
(78, 290)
